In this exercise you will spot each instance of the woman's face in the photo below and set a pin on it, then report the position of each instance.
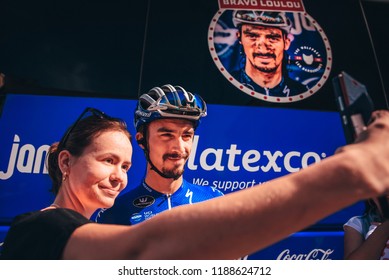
(100, 173)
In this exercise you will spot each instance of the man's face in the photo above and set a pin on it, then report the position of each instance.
(264, 46)
(170, 143)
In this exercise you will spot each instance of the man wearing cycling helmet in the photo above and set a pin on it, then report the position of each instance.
(165, 120)
(263, 37)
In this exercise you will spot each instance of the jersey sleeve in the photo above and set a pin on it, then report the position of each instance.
(110, 216)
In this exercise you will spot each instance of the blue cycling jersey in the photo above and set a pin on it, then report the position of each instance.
(287, 87)
(143, 202)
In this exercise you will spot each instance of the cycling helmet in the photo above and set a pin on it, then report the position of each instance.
(169, 102)
(265, 18)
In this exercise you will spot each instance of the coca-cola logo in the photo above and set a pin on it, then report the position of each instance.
(315, 254)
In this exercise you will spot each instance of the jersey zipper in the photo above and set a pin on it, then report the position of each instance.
(169, 202)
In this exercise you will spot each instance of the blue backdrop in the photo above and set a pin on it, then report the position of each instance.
(251, 145)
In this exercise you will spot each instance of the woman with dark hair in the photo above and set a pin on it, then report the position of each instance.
(367, 236)
(89, 168)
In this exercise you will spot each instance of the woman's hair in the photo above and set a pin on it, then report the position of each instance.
(79, 136)
(370, 215)
(372, 211)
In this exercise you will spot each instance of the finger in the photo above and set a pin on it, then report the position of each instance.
(378, 114)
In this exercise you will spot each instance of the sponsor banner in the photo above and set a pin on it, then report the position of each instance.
(267, 5)
(304, 246)
(28, 126)
(251, 145)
